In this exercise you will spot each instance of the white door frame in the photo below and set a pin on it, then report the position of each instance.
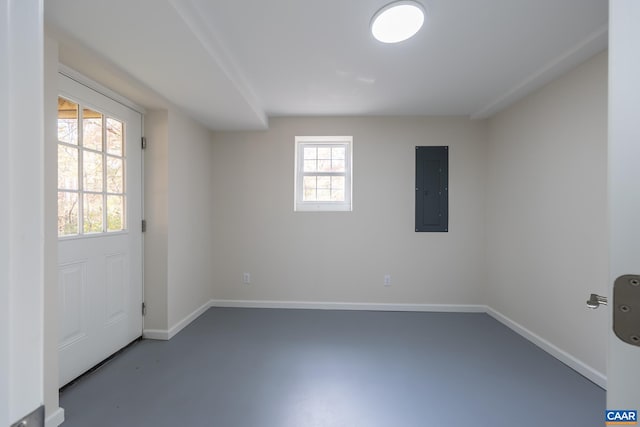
(81, 89)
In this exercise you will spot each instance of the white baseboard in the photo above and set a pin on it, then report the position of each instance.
(460, 308)
(55, 419)
(188, 319)
(582, 368)
(155, 334)
(164, 334)
(574, 363)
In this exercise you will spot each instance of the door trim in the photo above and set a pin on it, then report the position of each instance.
(97, 87)
(113, 103)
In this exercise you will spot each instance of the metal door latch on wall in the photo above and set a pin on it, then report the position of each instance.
(626, 307)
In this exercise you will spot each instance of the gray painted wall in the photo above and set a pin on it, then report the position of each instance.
(178, 243)
(547, 211)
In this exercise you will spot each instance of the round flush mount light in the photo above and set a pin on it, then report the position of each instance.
(397, 21)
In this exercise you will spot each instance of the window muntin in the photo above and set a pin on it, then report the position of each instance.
(91, 171)
(323, 173)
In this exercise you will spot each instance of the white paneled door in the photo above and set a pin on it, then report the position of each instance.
(99, 227)
(623, 362)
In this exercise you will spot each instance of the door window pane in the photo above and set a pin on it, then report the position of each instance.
(114, 175)
(92, 129)
(93, 213)
(115, 213)
(92, 171)
(67, 121)
(67, 167)
(67, 213)
(114, 137)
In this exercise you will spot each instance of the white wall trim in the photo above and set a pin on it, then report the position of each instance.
(461, 308)
(167, 334)
(55, 419)
(574, 363)
(155, 334)
(188, 319)
(164, 334)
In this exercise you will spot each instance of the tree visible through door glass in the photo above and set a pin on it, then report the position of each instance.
(91, 171)
(91, 129)
(67, 167)
(67, 121)
(115, 213)
(93, 204)
(114, 137)
(67, 213)
(114, 175)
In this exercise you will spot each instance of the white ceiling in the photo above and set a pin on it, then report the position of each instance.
(232, 64)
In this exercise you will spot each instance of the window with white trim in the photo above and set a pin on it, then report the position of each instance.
(323, 173)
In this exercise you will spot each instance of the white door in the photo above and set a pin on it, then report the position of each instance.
(99, 227)
(623, 366)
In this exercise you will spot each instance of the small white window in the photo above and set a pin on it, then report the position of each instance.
(323, 173)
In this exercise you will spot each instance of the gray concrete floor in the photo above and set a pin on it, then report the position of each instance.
(313, 368)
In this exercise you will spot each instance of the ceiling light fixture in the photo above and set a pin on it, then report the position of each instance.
(397, 21)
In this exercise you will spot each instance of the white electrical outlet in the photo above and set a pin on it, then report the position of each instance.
(387, 280)
(246, 278)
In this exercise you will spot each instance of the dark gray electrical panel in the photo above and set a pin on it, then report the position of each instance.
(432, 189)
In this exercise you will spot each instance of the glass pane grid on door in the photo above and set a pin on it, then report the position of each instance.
(91, 171)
